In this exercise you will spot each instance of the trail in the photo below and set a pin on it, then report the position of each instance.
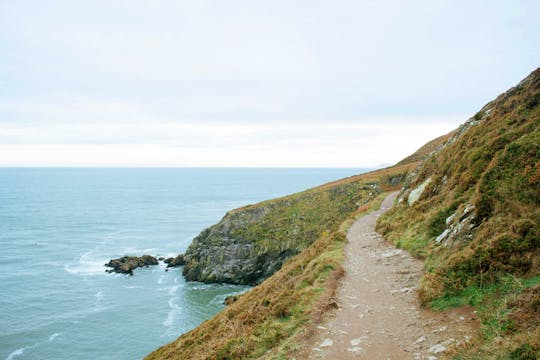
(379, 316)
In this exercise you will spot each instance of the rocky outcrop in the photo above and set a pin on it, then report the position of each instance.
(223, 254)
(233, 262)
(251, 243)
(459, 226)
(417, 192)
(175, 261)
(126, 264)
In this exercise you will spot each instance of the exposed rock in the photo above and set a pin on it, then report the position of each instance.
(458, 226)
(417, 192)
(126, 264)
(326, 343)
(437, 348)
(420, 340)
(358, 341)
(175, 261)
(218, 256)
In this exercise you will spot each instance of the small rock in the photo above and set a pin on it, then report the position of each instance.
(448, 342)
(355, 342)
(391, 253)
(176, 261)
(326, 343)
(421, 339)
(126, 264)
(354, 349)
(402, 290)
(437, 349)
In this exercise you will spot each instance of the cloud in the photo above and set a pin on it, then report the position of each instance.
(290, 143)
(341, 83)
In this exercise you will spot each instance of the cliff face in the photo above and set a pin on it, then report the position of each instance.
(217, 255)
(251, 243)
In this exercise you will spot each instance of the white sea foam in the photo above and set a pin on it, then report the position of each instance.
(172, 314)
(173, 289)
(87, 265)
(219, 299)
(16, 353)
(97, 304)
(53, 336)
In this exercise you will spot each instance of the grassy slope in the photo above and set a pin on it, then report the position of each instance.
(263, 322)
(493, 165)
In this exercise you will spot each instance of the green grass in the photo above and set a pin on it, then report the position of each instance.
(495, 304)
(475, 295)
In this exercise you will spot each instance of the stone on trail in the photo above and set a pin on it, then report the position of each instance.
(326, 343)
(437, 348)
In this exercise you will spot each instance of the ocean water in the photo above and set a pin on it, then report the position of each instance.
(58, 227)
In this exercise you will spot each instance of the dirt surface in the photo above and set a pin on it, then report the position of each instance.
(378, 315)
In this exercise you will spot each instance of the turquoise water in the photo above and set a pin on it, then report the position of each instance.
(59, 226)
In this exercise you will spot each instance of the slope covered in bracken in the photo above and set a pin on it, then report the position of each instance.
(472, 210)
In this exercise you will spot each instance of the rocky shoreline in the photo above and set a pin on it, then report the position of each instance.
(126, 264)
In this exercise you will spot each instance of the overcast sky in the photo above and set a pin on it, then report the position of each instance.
(250, 83)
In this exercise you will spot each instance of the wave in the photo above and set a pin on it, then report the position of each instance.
(172, 314)
(16, 353)
(90, 264)
(173, 289)
(98, 307)
(87, 265)
(132, 287)
(20, 351)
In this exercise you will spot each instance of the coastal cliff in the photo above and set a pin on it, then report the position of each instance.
(469, 205)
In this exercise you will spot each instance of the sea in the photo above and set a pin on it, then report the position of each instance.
(59, 226)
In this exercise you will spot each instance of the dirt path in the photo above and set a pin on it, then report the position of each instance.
(379, 316)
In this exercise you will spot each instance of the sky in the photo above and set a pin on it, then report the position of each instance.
(250, 83)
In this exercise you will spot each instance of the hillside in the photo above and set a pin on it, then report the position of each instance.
(269, 316)
(472, 210)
